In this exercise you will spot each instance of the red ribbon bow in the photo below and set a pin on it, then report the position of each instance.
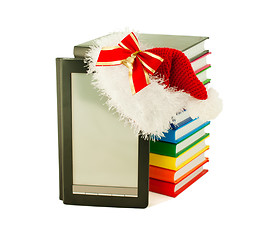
(139, 63)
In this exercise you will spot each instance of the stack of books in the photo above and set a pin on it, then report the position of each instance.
(177, 160)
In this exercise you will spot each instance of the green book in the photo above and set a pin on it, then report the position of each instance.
(191, 46)
(206, 81)
(174, 150)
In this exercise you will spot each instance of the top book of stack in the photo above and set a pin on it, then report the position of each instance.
(191, 46)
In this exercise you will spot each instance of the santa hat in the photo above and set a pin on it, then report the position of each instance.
(171, 87)
(178, 73)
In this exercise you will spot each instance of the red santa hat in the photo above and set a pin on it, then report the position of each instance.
(178, 73)
(169, 84)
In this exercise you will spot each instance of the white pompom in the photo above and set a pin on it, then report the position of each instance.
(205, 109)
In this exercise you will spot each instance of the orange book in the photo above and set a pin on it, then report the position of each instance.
(175, 176)
(174, 189)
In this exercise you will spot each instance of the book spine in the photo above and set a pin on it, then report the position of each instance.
(169, 136)
(162, 174)
(60, 119)
(163, 148)
(161, 187)
(162, 161)
(79, 52)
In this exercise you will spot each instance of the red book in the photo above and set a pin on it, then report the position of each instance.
(174, 189)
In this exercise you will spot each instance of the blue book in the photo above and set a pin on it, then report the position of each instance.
(180, 119)
(184, 131)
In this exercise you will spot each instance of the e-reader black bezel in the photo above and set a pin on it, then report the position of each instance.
(66, 66)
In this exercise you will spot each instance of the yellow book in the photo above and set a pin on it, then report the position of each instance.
(175, 163)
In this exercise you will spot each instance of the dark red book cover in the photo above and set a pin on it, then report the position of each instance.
(168, 188)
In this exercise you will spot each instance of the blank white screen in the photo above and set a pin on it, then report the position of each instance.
(105, 152)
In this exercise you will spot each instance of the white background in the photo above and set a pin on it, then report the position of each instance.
(233, 201)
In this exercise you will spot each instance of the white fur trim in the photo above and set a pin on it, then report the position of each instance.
(150, 110)
(205, 109)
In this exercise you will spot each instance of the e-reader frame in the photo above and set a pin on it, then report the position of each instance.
(65, 67)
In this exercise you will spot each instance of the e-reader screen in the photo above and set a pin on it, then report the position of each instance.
(104, 149)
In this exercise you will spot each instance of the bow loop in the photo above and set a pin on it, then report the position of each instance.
(139, 63)
(130, 42)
